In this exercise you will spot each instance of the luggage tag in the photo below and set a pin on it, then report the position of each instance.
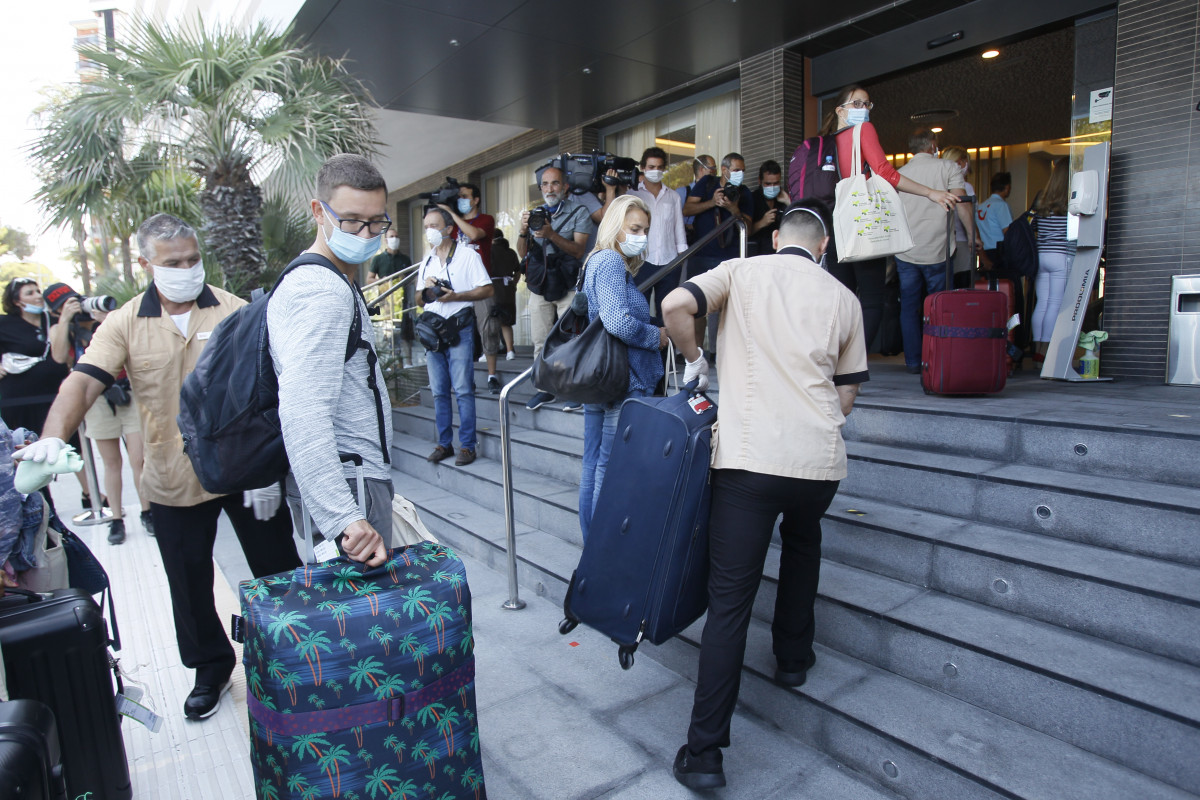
(699, 403)
(138, 712)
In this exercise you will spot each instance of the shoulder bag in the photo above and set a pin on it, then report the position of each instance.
(868, 217)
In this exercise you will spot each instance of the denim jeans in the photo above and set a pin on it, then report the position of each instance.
(916, 281)
(455, 369)
(599, 430)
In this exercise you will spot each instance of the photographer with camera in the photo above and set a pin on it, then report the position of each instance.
(552, 244)
(712, 201)
(452, 278)
(770, 201)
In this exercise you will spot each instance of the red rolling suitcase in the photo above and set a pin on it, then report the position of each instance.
(1004, 286)
(962, 349)
(56, 652)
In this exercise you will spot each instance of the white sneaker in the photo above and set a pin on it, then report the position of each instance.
(510, 355)
(483, 359)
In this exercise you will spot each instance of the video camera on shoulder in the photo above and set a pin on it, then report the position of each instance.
(586, 172)
(57, 294)
(446, 195)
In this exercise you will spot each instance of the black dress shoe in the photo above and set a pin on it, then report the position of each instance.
(204, 700)
(792, 673)
(699, 771)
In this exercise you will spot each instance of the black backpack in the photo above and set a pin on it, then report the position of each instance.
(813, 171)
(229, 405)
(1020, 251)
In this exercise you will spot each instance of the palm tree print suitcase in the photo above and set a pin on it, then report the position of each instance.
(362, 681)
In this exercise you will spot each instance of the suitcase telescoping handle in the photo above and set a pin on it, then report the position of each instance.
(310, 556)
(950, 217)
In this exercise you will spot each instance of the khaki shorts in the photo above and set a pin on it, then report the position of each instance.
(488, 326)
(102, 423)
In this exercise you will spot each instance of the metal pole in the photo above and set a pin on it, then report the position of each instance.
(742, 238)
(97, 515)
(514, 602)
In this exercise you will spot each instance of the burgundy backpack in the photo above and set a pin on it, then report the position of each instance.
(813, 171)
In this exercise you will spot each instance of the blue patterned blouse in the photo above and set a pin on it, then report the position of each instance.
(613, 296)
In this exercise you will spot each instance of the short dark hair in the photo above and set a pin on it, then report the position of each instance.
(728, 160)
(350, 170)
(921, 140)
(771, 166)
(699, 163)
(1000, 180)
(653, 152)
(12, 291)
(475, 195)
(161, 228)
(446, 218)
(806, 222)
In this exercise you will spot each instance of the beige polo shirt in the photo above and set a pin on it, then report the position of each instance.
(790, 333)
(926, 219)
(142, 339)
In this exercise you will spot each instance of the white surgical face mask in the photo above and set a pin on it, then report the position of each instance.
(32, 309)
(180, 284)
(965, 169)
(736, 177)
(771, 192)
(393, 243)
(634, 244)
(857, 116)
(653, 175)
(433, 236)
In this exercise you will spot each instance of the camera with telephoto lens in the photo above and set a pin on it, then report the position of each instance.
(430, 294)
(57, 294)
(446, 195)
(586, 172)
(537, 219)
(732, 193)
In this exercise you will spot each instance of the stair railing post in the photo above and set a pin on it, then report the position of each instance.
(514, 602)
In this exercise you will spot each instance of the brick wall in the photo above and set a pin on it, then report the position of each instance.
(772, 108)
(1154, 211)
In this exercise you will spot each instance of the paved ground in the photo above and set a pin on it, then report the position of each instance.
(559, 719)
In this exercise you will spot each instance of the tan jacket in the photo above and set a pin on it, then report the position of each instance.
(790, 334)
(927, 220)
(140, 338)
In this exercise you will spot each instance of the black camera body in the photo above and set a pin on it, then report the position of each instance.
(443, 196)
(441, 286)
(732, 193)
(585, 172)
(538, 218)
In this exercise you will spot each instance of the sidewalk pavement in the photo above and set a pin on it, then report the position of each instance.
(559, 719)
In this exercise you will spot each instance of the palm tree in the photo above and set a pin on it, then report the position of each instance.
(335, 687)
(380, 778)
(366, 669)
(335, 755)
(472, 780)
(267, 790)
(313, 643)
(235, 106)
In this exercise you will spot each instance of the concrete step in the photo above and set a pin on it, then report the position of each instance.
(1134, 708)
(1142, 602)
(913, 739)
(1065, 443)
(1133, 516)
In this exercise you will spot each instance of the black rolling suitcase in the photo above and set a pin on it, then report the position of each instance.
(644, 569)
(30, 757)
(56, 652)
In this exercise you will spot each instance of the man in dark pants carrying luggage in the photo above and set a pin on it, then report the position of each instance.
(157, 337)
(795, 354)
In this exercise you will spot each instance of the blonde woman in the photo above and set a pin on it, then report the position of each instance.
(1056, 253)
(964, 277)
(612, 295)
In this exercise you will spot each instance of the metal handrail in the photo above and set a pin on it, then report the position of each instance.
(514, 602)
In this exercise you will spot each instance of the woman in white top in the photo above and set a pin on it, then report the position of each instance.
(1056, 253)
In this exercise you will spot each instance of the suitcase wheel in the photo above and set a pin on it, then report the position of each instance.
(567, 625)
(625, 656)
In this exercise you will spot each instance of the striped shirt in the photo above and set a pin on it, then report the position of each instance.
(1052, 235)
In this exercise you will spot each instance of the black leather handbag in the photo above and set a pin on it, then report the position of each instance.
(582, 362)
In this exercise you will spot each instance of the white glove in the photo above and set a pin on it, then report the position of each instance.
(43, 450)
(265, 501)
(696, 371)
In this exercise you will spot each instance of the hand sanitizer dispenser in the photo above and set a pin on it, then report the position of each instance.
(1085, 193)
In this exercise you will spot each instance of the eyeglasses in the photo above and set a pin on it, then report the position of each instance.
(867, 104)
(356, 226)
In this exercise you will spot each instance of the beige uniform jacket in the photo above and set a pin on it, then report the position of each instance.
(790, 333)
(142, 339)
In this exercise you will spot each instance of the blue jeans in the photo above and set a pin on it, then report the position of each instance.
(454, 368)
(599, 430)
(916, 281)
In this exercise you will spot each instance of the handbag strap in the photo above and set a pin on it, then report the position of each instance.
(856, 153)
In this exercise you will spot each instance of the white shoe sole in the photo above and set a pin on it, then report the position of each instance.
(216, 706)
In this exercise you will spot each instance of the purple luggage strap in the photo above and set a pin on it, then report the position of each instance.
(392, 709)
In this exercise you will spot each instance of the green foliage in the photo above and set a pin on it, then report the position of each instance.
(15, 242)
(26, 269)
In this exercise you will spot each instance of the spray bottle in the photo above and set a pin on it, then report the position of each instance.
(1089, 365)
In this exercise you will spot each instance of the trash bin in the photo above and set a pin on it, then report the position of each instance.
(1183, 332)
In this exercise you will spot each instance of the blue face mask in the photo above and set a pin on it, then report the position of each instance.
(32, 309)
(857, 116)
(351, 249)
(464, 205)
(771, 192)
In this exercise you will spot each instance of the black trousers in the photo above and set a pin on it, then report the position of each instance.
(745, 506)
(867, 280)
(185, 536)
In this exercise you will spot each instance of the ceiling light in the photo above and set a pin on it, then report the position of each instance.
(454, 42)
(936, 130)
(990, 53)
(587, 70)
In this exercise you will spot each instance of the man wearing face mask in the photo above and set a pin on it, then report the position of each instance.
(667, 236)
(389, 262)
(157, 338)
(567, 229)
(769, 203)
(452, 277)
(709, 202)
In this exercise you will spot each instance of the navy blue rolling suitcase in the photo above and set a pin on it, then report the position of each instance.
(644, 569)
